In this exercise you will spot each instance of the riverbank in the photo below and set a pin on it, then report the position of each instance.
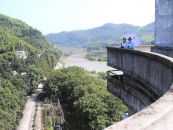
(79, 60)
(96, 57)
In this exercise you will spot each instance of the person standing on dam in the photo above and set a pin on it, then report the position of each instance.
(130, 44)
(124, 43)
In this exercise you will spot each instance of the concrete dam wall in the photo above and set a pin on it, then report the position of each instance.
(146, 87)
(164, 23)
(168, 51)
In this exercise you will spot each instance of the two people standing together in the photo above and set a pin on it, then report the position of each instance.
(127, 45)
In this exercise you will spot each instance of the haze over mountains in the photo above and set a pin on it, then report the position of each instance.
(107, 32)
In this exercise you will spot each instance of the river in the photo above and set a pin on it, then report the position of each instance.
(79, 60)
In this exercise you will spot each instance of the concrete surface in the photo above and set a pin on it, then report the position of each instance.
(164, 23)
(25, 122)
(168, 51)
(28, 115)
(157, 116)
(38, 117)
(143, 48)
(156, 72)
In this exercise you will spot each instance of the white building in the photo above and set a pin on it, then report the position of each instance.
(21, 54)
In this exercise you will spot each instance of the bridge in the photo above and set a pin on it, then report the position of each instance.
(146, 84)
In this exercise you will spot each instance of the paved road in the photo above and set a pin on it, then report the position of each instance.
(27, 114)
(38, 117)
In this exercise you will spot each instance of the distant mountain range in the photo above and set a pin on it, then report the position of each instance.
(107, 32)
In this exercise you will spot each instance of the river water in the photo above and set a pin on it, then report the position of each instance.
(79, 60)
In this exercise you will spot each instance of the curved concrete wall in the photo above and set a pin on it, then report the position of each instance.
(135, 94)
(156, 71)
(168, 51)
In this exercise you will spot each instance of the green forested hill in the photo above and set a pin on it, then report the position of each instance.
(23, 31)
(146, 33)
(10, 42)
(15, 36)
(104, 35)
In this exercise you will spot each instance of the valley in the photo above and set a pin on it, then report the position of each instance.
(73, 95)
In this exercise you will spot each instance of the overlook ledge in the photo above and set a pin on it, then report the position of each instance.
(146, 87)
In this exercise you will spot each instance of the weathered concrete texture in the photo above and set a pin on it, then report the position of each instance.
(164, 23)
(134, 93)
(149, 68)
(168, 51)
(147, 76)
(152, 69)
(157, 116)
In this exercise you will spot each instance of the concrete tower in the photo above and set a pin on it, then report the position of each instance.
(164, 23)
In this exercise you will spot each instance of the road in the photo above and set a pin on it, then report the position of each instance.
(38, 117)
(27, 114)
(29, 111)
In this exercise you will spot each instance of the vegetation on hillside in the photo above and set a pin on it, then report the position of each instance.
(19, 77)
(97, 39)
(96, 57)
(86, 102)
(102, 35)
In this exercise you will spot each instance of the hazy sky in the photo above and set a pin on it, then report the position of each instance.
(52, 16)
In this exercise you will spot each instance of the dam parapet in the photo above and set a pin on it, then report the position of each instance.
(146, 86)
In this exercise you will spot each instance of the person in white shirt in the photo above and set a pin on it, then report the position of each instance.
(124, 43)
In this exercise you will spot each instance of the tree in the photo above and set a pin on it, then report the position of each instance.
(84, 98)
